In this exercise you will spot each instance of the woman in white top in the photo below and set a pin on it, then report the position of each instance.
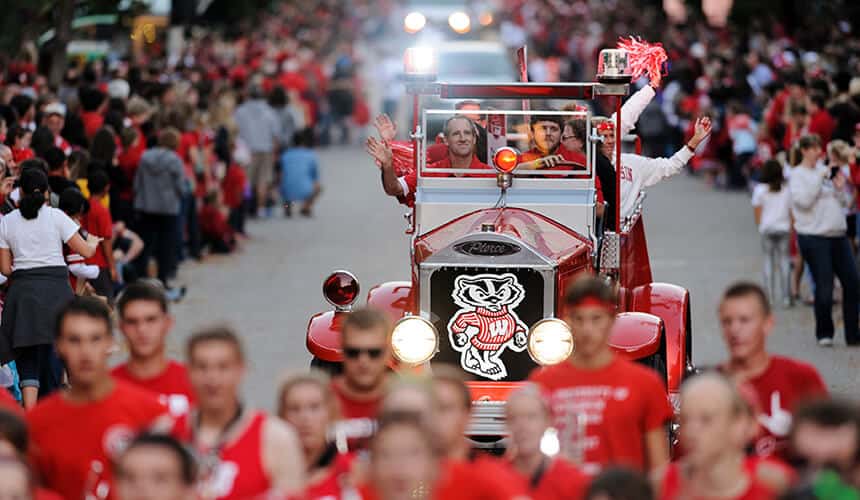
(818, 201)
(31, 256)
(771, 203)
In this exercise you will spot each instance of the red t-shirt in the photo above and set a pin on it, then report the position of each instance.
(172, 386)
(233, 186)
(560, 480)
(239, 473)
(129, 159)
(213, 224)
(619, 404)
(780, 388)
(823, 124)
(73, 444)
(484, 478)
(93, 121)
(98, 222)
(331, 486)
(671, 488)
(358, 417)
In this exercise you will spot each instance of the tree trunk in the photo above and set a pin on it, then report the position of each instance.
(62, 34)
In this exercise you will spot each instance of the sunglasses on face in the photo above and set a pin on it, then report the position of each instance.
(355, 352)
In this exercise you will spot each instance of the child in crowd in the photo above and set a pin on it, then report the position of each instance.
(233, 188)
(75, 205)
(217, 233)
(772, 208)
(99, 223)
(300, 174)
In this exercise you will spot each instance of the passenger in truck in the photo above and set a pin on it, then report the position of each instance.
(460, 135)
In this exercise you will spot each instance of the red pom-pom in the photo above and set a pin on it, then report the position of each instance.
(644, 58)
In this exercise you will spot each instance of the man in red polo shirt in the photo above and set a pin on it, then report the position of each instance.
(461, 138)
(607, 410)
(780, 383)
(77, 432)
(364, 381)
(145, 322)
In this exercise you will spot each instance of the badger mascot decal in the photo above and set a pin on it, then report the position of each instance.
(486, 323)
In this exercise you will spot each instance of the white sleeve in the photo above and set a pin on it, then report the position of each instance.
(403, 185)
(4, 242)
(633, 107)
(757, 194)
(654, 170)
(65, 225)
(84, 271)
(804, 188)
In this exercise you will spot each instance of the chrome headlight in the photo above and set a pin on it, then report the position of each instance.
(414, 22)
(414, 340)
(550, 341)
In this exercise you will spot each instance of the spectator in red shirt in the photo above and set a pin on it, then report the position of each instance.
(364, 381)
(825, 435)
(544, 477)
(93, 104)
(14, 445)
(54, 118)
(625, 403)
(714, 426)
(548, 151)
(214, 228)
(99, 223)
(403, 460)
(245, 453)
(820, 121)
(155, 467)
(780, 383)
(233, 188)
(308, 404)
(18, 139)
(76, 432)
(145, 322)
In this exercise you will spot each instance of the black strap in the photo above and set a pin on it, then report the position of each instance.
(327, 456)
(539, 473)
(215, 452)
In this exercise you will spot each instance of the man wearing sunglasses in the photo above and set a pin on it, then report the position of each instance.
(360, 388)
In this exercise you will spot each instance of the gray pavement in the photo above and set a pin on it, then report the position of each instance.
(698, 238)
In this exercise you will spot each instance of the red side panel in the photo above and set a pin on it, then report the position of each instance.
(324, 336)
(635, 264)
(492, 391)
(635, 335)
(672, 304)
(394, 297)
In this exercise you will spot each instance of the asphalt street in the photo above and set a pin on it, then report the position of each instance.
(698, 238)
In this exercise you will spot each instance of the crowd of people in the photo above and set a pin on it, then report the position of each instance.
(757, 426)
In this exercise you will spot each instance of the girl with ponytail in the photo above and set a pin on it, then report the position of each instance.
(31, 256)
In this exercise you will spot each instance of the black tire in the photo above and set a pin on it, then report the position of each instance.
(330, 367)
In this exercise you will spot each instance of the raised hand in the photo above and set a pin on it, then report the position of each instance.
(702, 129)
(386, 128)
(379, 151)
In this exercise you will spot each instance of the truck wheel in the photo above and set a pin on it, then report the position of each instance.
(330, 367)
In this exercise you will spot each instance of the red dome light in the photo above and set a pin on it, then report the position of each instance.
(506, 159)
(341, 289)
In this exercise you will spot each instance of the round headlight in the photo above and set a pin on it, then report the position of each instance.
(414, 340)
(460, 22)
(550, 341)
(414, 22)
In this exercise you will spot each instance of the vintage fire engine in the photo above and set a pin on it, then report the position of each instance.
(491, 257)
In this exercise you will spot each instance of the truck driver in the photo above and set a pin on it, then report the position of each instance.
(460, 135)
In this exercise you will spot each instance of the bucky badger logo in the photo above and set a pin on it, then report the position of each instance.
(486, 324)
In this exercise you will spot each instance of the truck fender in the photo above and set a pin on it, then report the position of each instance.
(636, 335)
(671, 303)
(393, 297)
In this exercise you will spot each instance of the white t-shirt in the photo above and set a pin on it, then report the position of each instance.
(37, 242)
(775, 208)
